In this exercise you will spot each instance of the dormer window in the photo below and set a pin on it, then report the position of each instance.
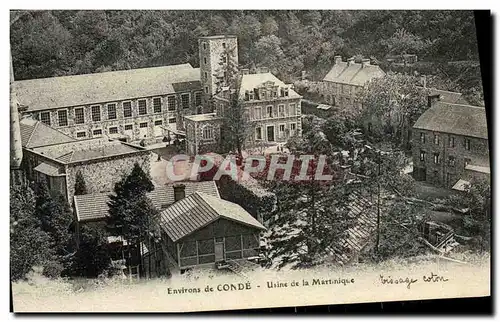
(247, 96)
(251, 95)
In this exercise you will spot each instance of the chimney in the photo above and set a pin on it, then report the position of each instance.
(423, 78)
(245, 71)
(16, 149)
(350, 61)
(179, 192)
(338, 59)
(365, 62)
(432, 100)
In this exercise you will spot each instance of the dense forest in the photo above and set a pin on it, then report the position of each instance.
(53, 43)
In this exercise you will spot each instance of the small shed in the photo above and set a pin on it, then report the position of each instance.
(202, 229)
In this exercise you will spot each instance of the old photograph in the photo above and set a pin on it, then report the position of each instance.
(201, 160)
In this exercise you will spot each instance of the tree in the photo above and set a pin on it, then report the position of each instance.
(400, 230)
(390, 107)
(477, 220)
(92, 257)
(80, 186)
(29, 245)
(124, 216)
(55, 216)
(131, 213)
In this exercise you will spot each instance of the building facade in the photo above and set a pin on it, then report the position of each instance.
(345, 80)
(450, 144)
(57, 158)
(129, 105)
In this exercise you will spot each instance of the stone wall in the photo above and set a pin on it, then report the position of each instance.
(89, 126)
(447, 173)
(101, 176)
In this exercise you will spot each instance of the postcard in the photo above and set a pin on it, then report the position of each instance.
(195, 160)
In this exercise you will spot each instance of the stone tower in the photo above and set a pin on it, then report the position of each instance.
(16, 149)
(217, 55)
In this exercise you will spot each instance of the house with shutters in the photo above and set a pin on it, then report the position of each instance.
(346, 79)
(450, 144)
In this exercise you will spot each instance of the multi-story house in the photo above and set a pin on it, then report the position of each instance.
(271, 108)
(343, 82)
(450, 144)
(129, 105)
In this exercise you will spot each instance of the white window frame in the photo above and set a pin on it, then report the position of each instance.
(281, 110)
(267, 112)
(131, 110)
(260, 131)
(436, 158)
(189, 100)
(145, 106)
(41, 118)
(161, 104)
(92, 113)
(59, 118)
(207, 129)
(172, 118)
(422, 156)
(201, 98)
(81, 132)
(116, 112)
(281, 134)
(168, 103)
(436, 139)
(159, 120)
(94, 130)
(113, 127)
(258, 112)
(83, 115)
(293, 131)
(143, 127)
(125, 127)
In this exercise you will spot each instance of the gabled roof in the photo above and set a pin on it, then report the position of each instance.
(48, 169)
(251, 81)
(457, 119)
(65, 91)
(200, 209)
(364, 217)
(35, 134)
(94, 206)
(353, 73)
(87, 150)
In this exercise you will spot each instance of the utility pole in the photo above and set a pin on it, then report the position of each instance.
(378, 202)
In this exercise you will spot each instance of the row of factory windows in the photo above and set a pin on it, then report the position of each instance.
(96, 113)
(126, 127)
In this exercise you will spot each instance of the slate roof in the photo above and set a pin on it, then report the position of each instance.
(93, 207)
(86, 150)
(35, 134)
(353, 74)
(48, 169)
(64, 91)
(251, 81)
(198, 210)
(457, 119)
(364, 217)
(478, 168)
(201, 117)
